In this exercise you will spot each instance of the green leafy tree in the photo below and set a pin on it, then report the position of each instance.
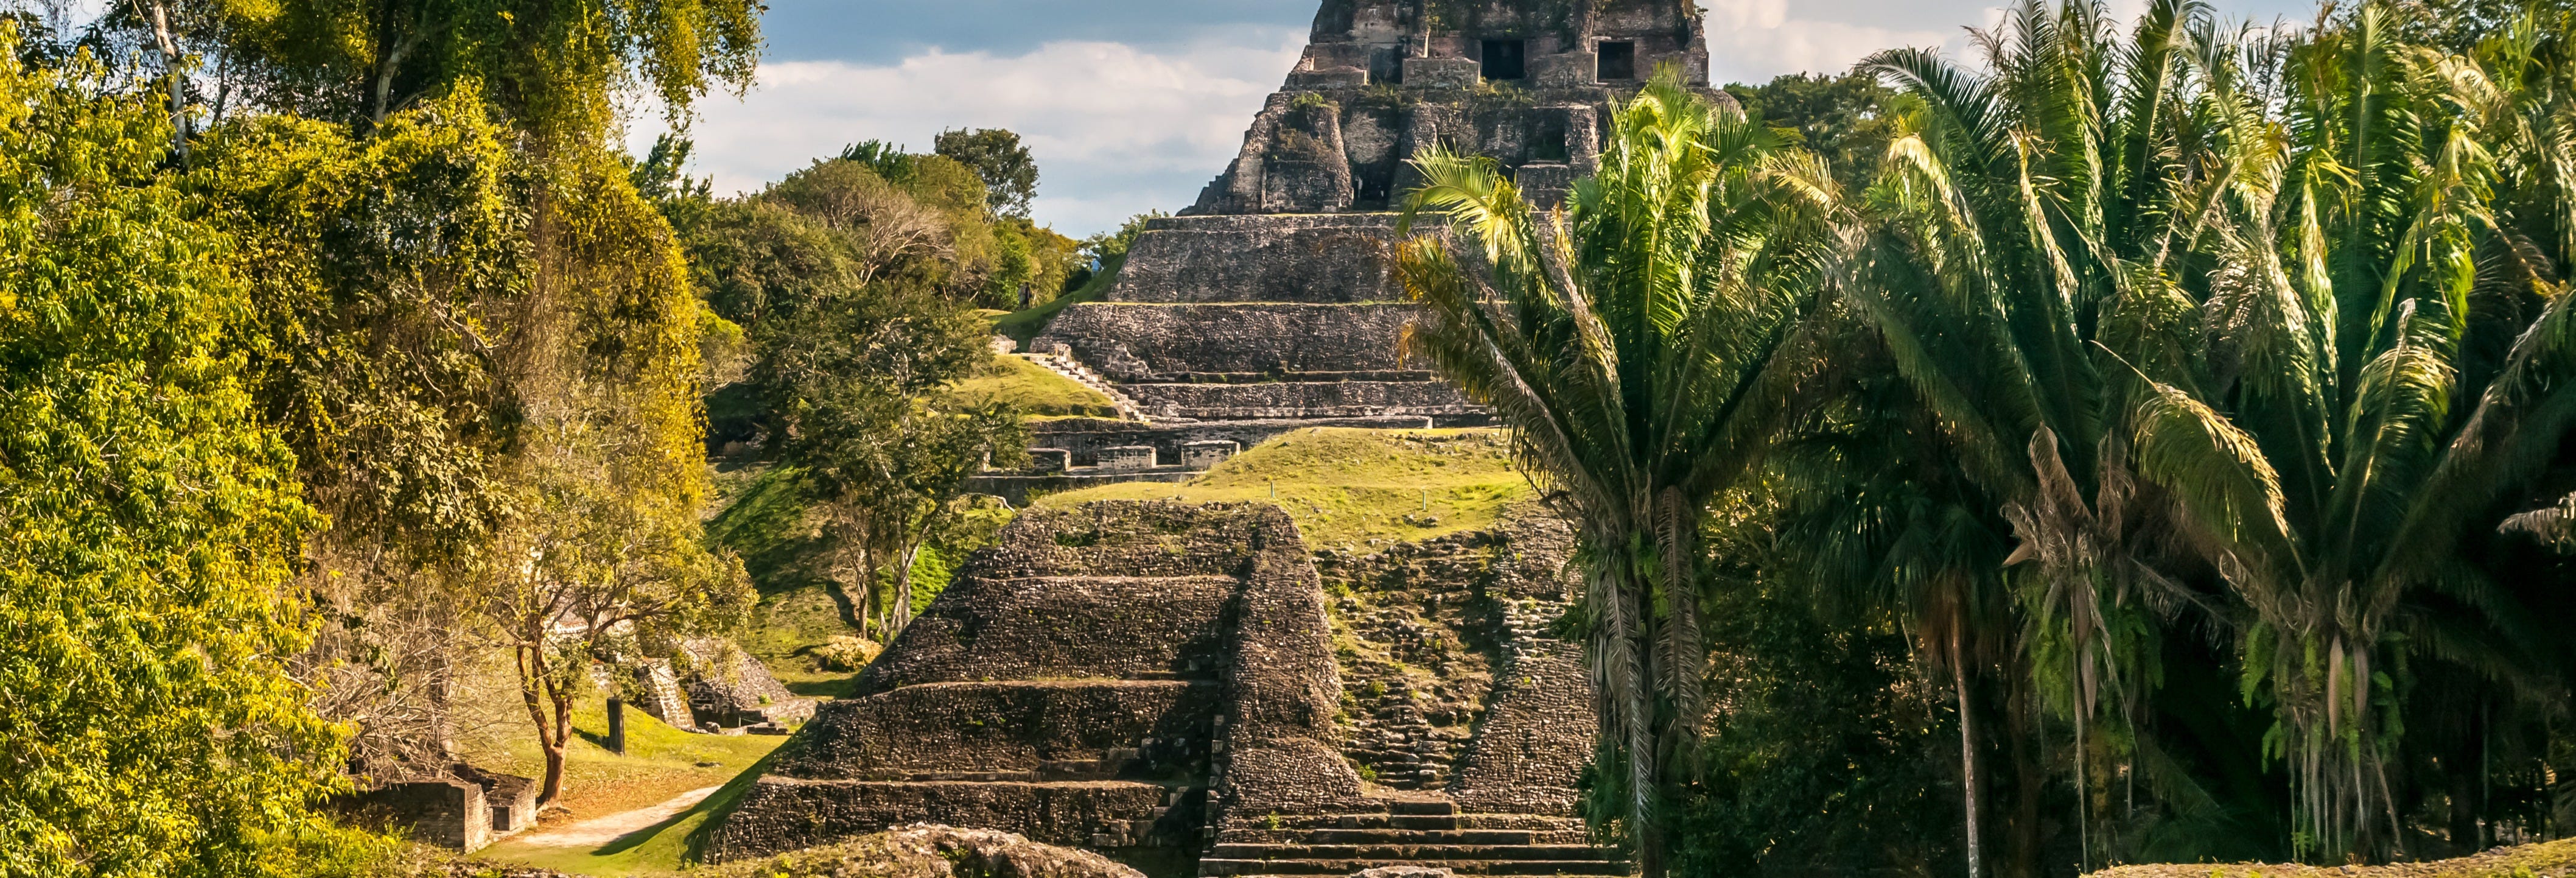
(853, 387)
(1009, 172)
(1848, 120)
(1642, 346)
(2397, 355)
(149, 522)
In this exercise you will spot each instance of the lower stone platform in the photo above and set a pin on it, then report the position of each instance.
(783, 814)
(1305, 399)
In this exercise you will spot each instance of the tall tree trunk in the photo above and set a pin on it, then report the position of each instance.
(1967, 749)
(2029, 785)
(158, 15)
(536, 688)
(901, 592)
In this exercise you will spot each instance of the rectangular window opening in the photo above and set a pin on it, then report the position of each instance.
(1503, 59)
(1618, 61)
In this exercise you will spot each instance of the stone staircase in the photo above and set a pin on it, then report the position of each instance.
(1408, 833)
(1078, 373)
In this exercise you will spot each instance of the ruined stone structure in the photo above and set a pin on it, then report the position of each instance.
(1154, 678)
(1271, 298)
(1168, 683)
(458, 806)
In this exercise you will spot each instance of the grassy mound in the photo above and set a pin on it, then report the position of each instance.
(2557, 858)
(1352, 488)
(1035, 389)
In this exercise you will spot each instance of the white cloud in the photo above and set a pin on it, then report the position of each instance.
(1116, 129)
(1753, 40)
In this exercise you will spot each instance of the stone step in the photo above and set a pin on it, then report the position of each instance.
(1306, 837)
(1221, 868)
(1454, 821)
(1411, 852)
(1420, 836)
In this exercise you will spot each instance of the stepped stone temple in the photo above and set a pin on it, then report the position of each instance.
(1194, 689)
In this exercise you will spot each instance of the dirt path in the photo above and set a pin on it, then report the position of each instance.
(599, 831)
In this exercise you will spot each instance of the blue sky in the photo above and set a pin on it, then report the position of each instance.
(1132, 105)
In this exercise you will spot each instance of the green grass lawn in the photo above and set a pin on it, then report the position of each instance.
(660, 762)
(1035, 389)
(1346, 487)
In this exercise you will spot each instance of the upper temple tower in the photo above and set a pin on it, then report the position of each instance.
(1528, 82)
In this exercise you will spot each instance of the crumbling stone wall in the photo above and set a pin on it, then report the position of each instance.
(1311, 259)
(1453, 679)
(1089, 679)
(1307, 399)
(1019, 730)
(1383, 80)
(1240, 342)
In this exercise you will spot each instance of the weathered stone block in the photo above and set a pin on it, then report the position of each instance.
(1285, 399)
(1565, 70)
(1311, 259)
(1054, 627)
(780, 814)
(1441, 73)
(1203, 455)
(1337, 77)
(1127, 457)
(446, 812)
(1050, 460)
(1003, 727)
(1182, 342)
(1084, 437)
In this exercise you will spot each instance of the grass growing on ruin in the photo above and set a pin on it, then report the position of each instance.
(1022, 326)
(1035, 389)
(1347, 487)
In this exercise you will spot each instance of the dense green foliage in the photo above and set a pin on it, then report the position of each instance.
(869, 376)
(148, 522)
(2194, 390)
(1009, 172)
(1642, 344)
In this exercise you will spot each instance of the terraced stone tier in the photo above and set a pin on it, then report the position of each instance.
(1289, 399)
(781, 814)
(1054, 627)
(1408, 833)
(1143, 342)
(1315, 258)
(1016, 730)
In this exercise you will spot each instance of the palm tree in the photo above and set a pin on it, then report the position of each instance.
(2019, 268)
(1641, 344)
(2391, 349)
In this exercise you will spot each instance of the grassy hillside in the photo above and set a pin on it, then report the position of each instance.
(1021, 326)
(1347, 487)
(782, 546)
(1035, 389)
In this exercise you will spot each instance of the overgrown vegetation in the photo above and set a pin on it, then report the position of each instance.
(2182, 400)
(1353, 489)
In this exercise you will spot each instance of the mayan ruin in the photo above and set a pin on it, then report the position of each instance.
(1174, 685)
(1288, 439)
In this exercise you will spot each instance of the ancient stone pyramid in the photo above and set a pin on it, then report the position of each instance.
(1269, 304)
(1171, 684)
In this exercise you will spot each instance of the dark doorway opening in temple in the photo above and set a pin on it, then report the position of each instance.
(1618, 61)
(1502, 59)
(1386, 65)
